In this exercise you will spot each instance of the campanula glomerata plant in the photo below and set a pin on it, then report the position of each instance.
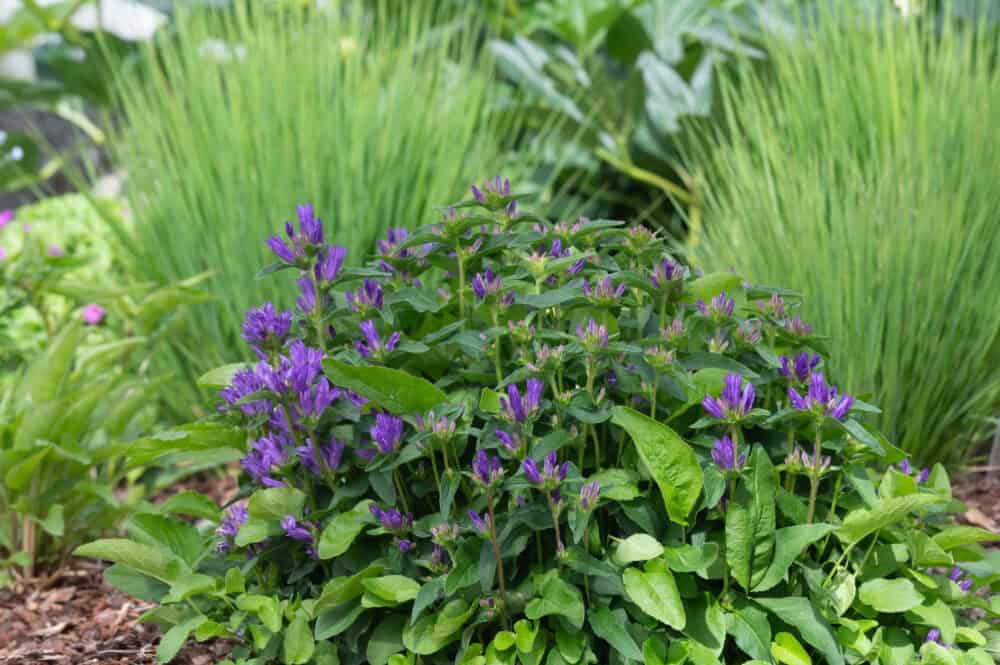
(506, 440)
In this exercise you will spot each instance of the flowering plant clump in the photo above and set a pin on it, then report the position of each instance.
(507, 440)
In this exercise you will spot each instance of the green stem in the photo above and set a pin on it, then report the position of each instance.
(400, 491)
(496, 350)
(652, 399)
(814, 471)
(461, 281)
(496, 552)
(730, 496)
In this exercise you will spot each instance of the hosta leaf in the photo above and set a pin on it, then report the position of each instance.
(143, 558)
(557, 597)
(750, 520)
(789, 543)
(656, 594)
(610, 626)
(788, 651)
(395, 390)
(800, 613)
(638, 547)
(340, 533)
(669, 459)
(864, 521)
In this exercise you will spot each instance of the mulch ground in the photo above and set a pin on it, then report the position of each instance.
(73, 617)
(77, 619)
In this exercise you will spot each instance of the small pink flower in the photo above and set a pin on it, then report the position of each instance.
(26, 228)
(93, 314)
(3, 253)
(5, 217)
(56, 251)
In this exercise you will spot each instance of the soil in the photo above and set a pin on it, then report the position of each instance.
(77, 619)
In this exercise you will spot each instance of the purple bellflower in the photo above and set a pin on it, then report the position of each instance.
(592, 337)
(367, 298)
(821, 399)
(603, 292)
(265, 326)
(518, 409)
(589, 495)
(372, 346)
(666, 274)
(549, 475)
(724, 455)
(486, 470)
(331, 454)
(392, 520)
(800, 368)
(480, 524)
(310, 235)
(235, 517)
(294, 530)
(387, 433)
(721, 306)
(734, 403)
(329, 262)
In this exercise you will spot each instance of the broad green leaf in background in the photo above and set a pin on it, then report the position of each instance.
(395, 390)
(750, 520)
(638, 547)
(862, 522)
(610, 626)
(343, 529)
(655, 592)
(788, 651)
(220, 377)
(669, 459)
(557, 597)
(44, 378)
(386, 640)
(175, 638)
(790, 541)
(751, 630)
(801, 614)
(142, 558)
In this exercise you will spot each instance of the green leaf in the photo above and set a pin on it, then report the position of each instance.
(343, 529)
(397, 391)
(189, 585)
(669, 459)
(429, 593)
(167, 534)
(557, 597)
(392, 588)
(266, 509)
(298, 646)
(862, 522)
(220, 377)
(333, 622)
(708, 286)
(935, 615)
(174, 639)
(192, 504)
(960, 535)
(800, 613)
(134, 583)
(750, 520)
(44, 378)
(432, 633)
(386, 640)
(750, 630)
(787, 650)
(689, 558)
(610, 626)
(656, 594)
(142, 558)
(790, 541)
(638, 547)
(267, 609)
(54, 523)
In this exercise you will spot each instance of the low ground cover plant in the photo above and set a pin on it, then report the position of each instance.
(572, 450)
(75, 387)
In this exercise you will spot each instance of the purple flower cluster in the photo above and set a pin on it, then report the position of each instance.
(735, 401)
(593, 337)
(235, 517)
(822, 399)
(721, 306)
(603, 292)
(907, 468)
(265, 327)
(724, 455)
(373, 346)
(387, 433)
(666, 274)
(330, 456)
(480, 524)
(392, 520)
(486, 470)
(309, 236)
(800, 368)
(589, 495)
(549, 475)
(518, 409)
(367, 298)
(266, 454)
(959, 577)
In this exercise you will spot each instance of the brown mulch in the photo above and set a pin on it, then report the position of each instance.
(981, 494)
(75, 618)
